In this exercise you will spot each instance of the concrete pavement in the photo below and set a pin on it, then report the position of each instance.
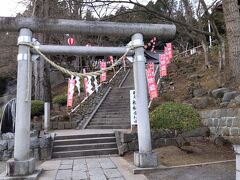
(88, 168)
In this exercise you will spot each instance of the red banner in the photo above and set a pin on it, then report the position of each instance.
(169, 50)
(103, 76)
(71, 85)
(152, 86)
(111, 59)
(150, 66)
(163, 65)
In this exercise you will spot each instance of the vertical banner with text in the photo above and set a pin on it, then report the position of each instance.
(71, 85)
(163, 65)
(152, 86)
(133, 108)
(103, 76)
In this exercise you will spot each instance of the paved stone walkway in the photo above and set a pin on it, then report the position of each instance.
(94, 168)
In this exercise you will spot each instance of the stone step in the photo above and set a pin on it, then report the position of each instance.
(115, 106)
(118, 113)
(110, 123)
(116, 119)
(106, 110)
(84, 136)
(84, 141)
(117, 102)
(84, 147)
(85, 153)
(112, 115)
(108, 126)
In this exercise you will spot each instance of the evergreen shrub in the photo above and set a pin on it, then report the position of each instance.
(60, 99)
(175, 117)
(37, 108)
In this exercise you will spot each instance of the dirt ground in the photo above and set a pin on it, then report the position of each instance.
(203, 151)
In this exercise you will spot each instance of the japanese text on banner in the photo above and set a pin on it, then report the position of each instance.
(152, 86)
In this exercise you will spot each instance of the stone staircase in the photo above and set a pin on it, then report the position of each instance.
(84, 145)
(114, 112)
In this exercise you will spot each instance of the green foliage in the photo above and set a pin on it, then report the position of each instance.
(174, 116)
(60, 99)
(37, 108)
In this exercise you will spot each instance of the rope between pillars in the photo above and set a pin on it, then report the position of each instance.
(66, 71)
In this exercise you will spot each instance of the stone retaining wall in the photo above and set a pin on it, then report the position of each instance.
(54, 125)
(40, 148)
(222, 122)
(127, 141)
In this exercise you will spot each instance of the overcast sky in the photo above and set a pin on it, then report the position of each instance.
(12, 7)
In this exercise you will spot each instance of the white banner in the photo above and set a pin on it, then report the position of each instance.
(133, 108)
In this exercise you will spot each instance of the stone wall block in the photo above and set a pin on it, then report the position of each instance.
(3, 145)
(60, 125)
(34, 142)
(204, 122)
(36, 153)
(234, 131)
(236, 122)
(67, 125)
(210, 122)
(170, 142)
(216, 122)
(7, 154)
(204, 114)
(213, 130)
(122, 149)
(45, 154)
(231, 112)
(225, 131)
(159, 142)
(229, 122)
(126, 137)
(133, 146)
(222, 122)
(10, 144)
(223, 112)
(216, 113)
(55, 125)
(74, 124)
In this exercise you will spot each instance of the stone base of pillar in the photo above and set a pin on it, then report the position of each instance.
(34, 176)
(145, 160)
(21, 170)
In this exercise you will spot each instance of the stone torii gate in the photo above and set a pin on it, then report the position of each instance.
(22, 164)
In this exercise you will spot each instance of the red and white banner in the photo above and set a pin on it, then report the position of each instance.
(150, 66)
(103, 76)
(152, 86)
(169, 50)
(163, 65)
(111, 59)
(71, 85)
(85, 80)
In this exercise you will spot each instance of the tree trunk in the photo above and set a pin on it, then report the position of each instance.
(42, 86)
(205, 51)
(232, 20)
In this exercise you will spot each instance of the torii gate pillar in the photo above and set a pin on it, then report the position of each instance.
(145, 157)
(22, 165)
